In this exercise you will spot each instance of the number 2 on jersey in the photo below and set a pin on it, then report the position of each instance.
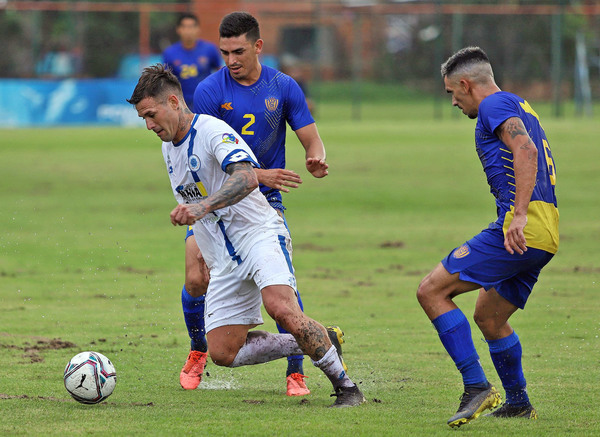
(245, 130)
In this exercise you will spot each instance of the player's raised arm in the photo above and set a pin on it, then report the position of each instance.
(514, 134)
(242, 181)
(315, 150)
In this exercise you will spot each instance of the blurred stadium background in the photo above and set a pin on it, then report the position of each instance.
(74, 62)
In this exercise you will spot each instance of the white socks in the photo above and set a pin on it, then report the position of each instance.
(262, 346)
(331, 365)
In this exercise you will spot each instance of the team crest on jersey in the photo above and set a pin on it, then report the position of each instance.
(194, 163)
(461, 252)
(271, 103)
(229, 138)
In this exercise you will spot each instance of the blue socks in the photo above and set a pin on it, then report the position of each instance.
(193, 312)
(455, 333)
(295, 362)
(506, 355)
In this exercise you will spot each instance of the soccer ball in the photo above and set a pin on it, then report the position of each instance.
(90, 377)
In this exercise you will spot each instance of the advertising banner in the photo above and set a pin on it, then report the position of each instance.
(25, 102)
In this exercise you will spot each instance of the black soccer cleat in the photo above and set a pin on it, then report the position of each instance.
(348, 397)
(336, 335)
(506, 411)
(473, 402)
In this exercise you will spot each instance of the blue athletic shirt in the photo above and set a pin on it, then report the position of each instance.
(541, 231)
(258, 113)
(192, 66)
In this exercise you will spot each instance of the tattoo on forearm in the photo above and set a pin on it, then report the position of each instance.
(198, 209)
(238, 186)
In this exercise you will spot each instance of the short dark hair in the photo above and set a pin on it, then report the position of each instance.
(238, 24)
(154, 82)
(465, 56)
(187, 16)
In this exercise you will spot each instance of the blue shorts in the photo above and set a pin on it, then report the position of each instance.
(189, 233)
(484, 261)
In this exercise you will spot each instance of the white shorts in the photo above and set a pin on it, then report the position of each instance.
(235, 298)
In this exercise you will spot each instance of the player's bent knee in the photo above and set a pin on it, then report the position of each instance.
(284, 315)
(424, 291)
(196, 289)
(489, 326)
(479, 321)
(223, 362)
(221, 358)
(196, 285)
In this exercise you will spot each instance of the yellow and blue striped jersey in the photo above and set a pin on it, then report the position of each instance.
(541, 230)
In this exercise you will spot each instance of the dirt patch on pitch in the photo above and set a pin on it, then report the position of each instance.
(313, 247)
(253, 401)
(45, 398)
(392, 244)
(131, 269)
(32, 349)
(4, 396)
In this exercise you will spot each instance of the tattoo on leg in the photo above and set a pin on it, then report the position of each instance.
(320, 353)
(312, 339)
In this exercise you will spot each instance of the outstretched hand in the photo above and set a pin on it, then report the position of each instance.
(279, 178)
(317, 167)
(514, 240)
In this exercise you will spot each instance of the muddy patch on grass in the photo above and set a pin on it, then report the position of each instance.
(313, 247)
(4, 396)
(392, 244)
(32, 350)
(131, 269)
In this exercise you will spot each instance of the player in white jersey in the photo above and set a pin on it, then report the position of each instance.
(195, 167)
(243, 240)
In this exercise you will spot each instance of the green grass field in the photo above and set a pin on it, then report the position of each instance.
(89, 261)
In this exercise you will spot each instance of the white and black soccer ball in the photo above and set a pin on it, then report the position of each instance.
(90, 377)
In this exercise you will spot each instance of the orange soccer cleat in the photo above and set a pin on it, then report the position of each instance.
(296, 385)
(192, 371)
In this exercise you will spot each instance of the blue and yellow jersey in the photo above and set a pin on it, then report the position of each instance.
(192, 66)
(541, 230)
(258, 113)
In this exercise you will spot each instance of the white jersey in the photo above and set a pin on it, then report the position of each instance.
(196, 167)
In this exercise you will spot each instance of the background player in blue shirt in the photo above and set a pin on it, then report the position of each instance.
(191, 59)
(256, 101)
(504, 260)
